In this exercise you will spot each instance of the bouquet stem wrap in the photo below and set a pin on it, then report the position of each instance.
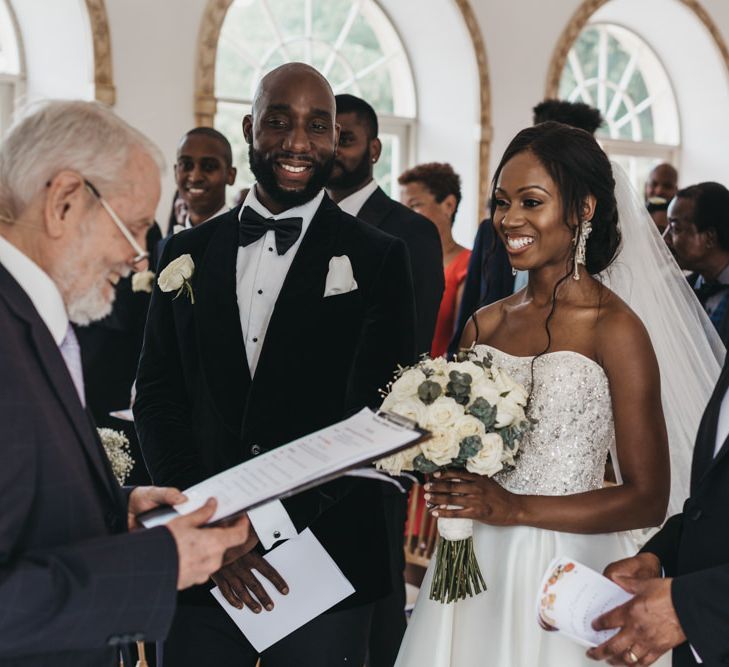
(457, 573)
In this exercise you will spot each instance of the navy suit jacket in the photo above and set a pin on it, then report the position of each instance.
(693, 546)
(73, 583)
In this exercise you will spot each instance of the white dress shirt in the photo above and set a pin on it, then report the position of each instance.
(354, 203)
(188, 223)
(260, 273)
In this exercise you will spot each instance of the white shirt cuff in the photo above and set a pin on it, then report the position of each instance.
(272, 523)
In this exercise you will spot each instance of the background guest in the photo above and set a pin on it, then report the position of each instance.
(434, 190)
(698, 219)
(660, 188)
(353, 187)
(490, 277)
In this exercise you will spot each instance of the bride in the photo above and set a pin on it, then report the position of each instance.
(588, 362)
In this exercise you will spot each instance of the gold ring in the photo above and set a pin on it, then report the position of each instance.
(630, 657)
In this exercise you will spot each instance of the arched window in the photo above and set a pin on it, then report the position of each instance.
(351, 42)
(613, 69)
(10, 66)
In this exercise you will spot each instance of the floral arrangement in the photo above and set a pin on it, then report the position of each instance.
(116, 446)
(475, 414)
(175, 277)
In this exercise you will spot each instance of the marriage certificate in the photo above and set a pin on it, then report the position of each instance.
(299, 465)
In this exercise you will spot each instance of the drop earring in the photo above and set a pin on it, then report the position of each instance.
(582, 233)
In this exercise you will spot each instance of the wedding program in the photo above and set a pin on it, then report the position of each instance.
(297, 466)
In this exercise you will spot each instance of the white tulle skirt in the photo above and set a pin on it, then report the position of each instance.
(498, 628)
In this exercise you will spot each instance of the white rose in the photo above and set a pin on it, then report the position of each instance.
(411, 408)
(506, 384)
(485, 389)
(143, 281)
(442, 447)
(398, 462)
(406, 386)
(442, 413)
(174, 275)
(487, 460)
(476, 372)
(508, 412)
(468, 426)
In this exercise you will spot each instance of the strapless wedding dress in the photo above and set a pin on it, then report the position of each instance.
(564, 454)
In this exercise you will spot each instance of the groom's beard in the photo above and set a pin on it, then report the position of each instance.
(342, 179)
(262, 168)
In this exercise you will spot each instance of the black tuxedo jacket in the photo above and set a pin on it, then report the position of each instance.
(693, 546)
(426, 257)
(72, 587)
(489, 278)
(723, 328)
(198, 411)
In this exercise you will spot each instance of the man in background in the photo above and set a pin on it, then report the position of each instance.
(698, 234)
(660, 188)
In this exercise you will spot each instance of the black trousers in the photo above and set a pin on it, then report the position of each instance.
(207, 637)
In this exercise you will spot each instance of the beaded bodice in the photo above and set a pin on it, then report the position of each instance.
(566, 450)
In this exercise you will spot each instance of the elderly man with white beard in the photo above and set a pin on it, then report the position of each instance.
(78, 577)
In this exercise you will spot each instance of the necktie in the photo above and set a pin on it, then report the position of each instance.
(71, 352)
(707, 290)
(253, 226)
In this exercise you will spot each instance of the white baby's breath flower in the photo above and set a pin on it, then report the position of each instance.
(487, 461)
(395, 464)
(411, 408)
(442, 413)
(442, 447)
(467, 426)
(174, 275)
(406, 386)
(143, 281)
(116, 446)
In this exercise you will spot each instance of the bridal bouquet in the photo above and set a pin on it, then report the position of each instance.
(475, 413)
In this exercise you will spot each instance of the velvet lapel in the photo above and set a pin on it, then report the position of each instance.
(302, 290)
(217, 323)
(376, 208)
(704, 460)
(55, 370)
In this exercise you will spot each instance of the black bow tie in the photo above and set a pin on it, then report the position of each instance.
(253, 226)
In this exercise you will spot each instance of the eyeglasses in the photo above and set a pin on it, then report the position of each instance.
(141, 254)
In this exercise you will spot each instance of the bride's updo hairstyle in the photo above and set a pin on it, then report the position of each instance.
(579, 167)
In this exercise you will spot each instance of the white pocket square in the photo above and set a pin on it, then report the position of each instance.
(340, 278)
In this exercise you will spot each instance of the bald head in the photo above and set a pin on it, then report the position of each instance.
(292, 135)
(662, 182)
(299, 75)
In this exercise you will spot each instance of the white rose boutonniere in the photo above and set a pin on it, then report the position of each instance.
(176, 277)
(143, 281)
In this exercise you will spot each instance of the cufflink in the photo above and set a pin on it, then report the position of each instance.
(276, 534)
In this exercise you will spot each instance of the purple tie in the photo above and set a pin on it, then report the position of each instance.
(71, 352)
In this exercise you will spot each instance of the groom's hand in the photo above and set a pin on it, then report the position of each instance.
(238, 584)
(642, 566)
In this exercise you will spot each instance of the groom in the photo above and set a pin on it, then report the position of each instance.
(301, 313)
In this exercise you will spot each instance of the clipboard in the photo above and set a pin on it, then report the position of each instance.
(407, 434)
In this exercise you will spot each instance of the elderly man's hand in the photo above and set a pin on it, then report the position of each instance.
(145, 498)
(641, 566)
(648, 624)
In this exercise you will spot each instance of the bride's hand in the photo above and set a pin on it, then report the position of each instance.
(478, 498)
